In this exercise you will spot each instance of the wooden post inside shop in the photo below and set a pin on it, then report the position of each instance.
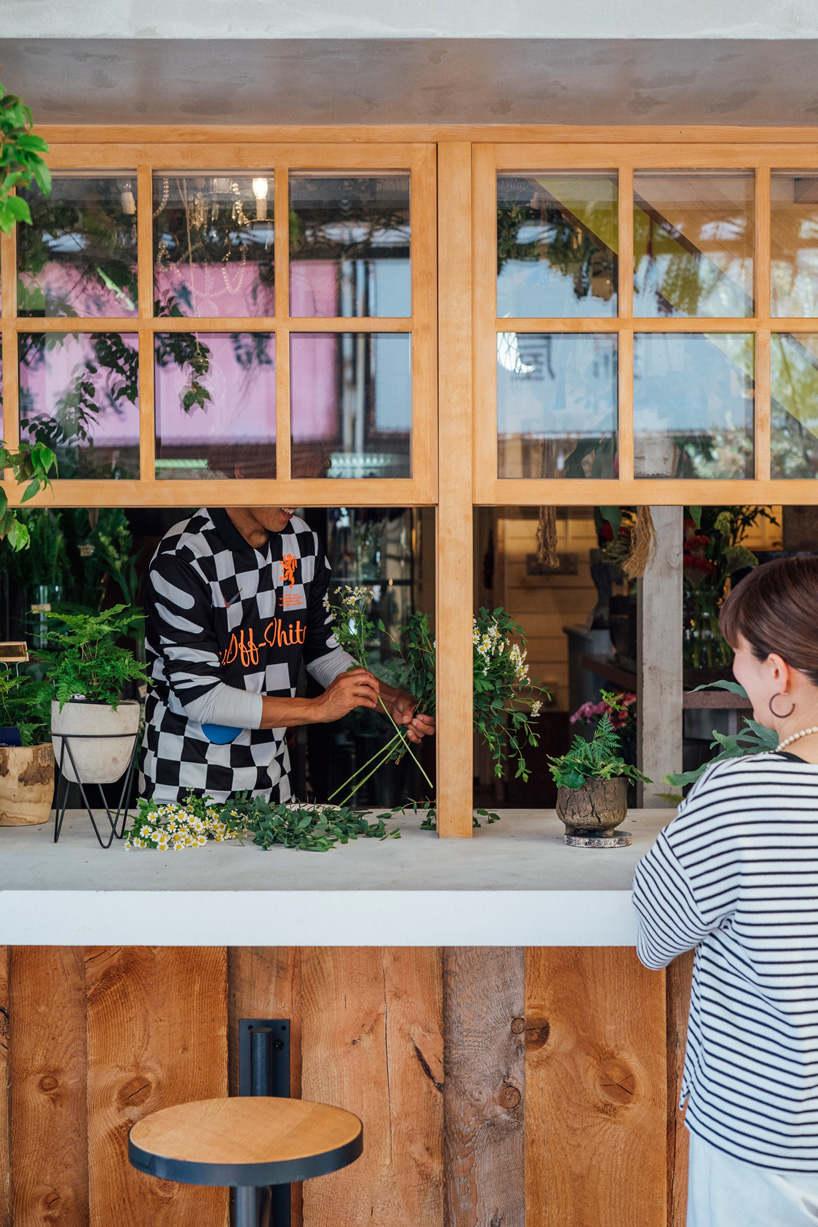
(659, 658)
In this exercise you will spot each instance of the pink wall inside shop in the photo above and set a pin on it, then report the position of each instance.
(243, 400)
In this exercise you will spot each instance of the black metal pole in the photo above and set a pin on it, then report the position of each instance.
(247, 1206)
(260, 1041)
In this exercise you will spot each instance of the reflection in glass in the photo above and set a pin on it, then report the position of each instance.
(556, 405)
(79, 393)
(693, 396)
(794, 404)
(351, 404)
(78, 258)
(693, 243)
(213, 244)
(794, 243)
(215, 405)
(557, 244)
(349, 245)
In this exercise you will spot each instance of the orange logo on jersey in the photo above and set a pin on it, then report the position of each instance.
(288, 569)
(276, 635)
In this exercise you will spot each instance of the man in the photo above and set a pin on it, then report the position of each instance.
(234, 602)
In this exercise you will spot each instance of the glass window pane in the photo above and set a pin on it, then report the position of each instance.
(349, 245)
(78, 258)
(213, 244)
(693, 401)
(215, 404)
(79, 394)
(351, 404)
(794, 243)
(557, 244)
(693, 243)
(794, 404)
(556, 405)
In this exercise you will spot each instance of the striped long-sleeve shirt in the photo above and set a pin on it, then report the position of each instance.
(227, 624)
(735, 875)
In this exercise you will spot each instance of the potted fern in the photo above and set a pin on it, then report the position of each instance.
(592, 784)
(89, 673)
(26, 756)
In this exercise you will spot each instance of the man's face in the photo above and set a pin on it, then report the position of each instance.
(272, 519)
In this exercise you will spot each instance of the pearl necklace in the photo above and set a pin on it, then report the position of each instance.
(795, 736)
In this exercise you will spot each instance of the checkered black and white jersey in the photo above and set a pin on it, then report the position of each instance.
(221, 613)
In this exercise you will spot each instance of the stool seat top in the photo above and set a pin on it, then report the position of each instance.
(248, 1140)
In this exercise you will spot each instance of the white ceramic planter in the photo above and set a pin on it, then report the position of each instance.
(26, 784)
(103, 757)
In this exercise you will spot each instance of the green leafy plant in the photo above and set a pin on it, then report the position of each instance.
(25, 705)
(597, 759)
(21, 160)
(85, 659)
(199, 820)
(753, 738)
(31, 463)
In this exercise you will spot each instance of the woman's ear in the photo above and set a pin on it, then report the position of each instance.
(782, 673)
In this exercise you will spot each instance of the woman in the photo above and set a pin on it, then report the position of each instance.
(735, 876)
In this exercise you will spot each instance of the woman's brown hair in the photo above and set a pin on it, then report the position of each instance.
(775, 609)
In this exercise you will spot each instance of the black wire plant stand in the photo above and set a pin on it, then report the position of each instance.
(116, 820)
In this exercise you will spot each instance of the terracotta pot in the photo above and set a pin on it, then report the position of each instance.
(594, 809)
(26, 784)
(104, 757)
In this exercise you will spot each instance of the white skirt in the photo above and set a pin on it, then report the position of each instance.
(725, 1192)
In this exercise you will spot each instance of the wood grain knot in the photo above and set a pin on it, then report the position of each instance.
(617, 1081)
(537, 1031)
(517, 1026)
(134, 1092)
(509, 1097)
(49, 1083)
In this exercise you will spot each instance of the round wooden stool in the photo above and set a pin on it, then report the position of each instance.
(246, 1142)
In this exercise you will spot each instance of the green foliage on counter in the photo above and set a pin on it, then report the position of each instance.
(199, 820)
(753, 738)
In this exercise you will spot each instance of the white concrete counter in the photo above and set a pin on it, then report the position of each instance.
(514, 883)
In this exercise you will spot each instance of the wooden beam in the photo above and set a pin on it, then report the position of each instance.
(157, 1035)
(677, 983)
(596, 1077)
(49, 1145)
(372, 1026)
(659, 709)
(454, 561)
(5, 1090)
(484, 1093)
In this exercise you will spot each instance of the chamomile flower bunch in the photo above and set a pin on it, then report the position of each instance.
(175, 827)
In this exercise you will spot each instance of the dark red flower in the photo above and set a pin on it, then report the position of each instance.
(606, 532)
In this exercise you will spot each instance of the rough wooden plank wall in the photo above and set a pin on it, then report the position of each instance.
(372, 1043)
(157, 1035)
(484, 994)
(596, 1090)
(49, 1150)
(678, 980)
(5, 1092)
(597, 1082)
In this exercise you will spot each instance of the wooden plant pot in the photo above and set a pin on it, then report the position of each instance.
(26, 784)
(101, 739)
(591, 813)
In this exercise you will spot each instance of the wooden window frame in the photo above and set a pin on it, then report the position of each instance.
(144, 159)
(454, 325)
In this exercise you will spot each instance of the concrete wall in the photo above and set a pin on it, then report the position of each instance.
(312, 19)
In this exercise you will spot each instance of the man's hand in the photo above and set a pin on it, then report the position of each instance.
(402, 706)
(357, 688)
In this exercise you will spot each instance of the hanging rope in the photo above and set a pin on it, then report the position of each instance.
(643, 543)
